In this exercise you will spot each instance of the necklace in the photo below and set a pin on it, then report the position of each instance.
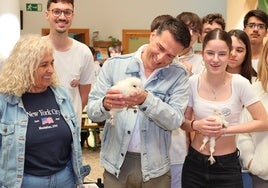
(214, 94)
(215, 91)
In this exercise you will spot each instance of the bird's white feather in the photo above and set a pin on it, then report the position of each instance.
(126, 86)
(219, 117)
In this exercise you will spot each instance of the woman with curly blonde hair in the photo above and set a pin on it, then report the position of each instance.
(17, 75)
(39, 134)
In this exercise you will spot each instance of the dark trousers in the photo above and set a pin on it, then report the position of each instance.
(259, 183)
(198, 173)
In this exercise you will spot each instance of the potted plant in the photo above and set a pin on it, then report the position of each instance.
(115, 48)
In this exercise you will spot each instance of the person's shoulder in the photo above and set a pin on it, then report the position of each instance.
(194, 77)
(60, 91)
(121, 58)
(80, 47)
(8, 98)
(177, 65)
(124, 56)
(176, 68)
(80, 44)
(2, 96)
(197, 58)
(256, 84)
(239, 79)
(257, 87)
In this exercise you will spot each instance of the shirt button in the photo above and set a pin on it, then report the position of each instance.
(144, 108)
(5, 130)
(128, 132)
(122, 154)
(135, 111)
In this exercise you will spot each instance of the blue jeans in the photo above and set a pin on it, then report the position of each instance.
(198, 173)
(63, 178)
(176, 170)
(247, 180)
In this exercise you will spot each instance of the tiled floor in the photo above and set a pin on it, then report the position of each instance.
(93, 159)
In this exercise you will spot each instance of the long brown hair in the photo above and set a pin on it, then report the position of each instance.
(247, 70)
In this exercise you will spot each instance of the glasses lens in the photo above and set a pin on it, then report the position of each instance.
(258, 26)
(68, 12)
(57, 12)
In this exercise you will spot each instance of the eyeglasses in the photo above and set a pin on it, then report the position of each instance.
(57, 12)
(258, 26)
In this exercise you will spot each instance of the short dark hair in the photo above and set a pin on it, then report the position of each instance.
(178, 30)
(158, 20)
(210, 18)
(218, 34)
(191, 19)
(57, 1)
(92, 49)
(261, 15)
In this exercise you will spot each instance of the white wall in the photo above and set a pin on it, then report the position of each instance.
(110, 17)
(9, 26)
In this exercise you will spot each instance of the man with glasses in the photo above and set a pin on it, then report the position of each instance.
(73, 59)
(255, 25)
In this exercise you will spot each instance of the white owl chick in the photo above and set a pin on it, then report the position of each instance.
(220, 119)
(126, 86)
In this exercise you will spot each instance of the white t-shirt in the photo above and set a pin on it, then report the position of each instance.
(255, 64)
(76, 63)
(196, 60)
(253, 146)
(242, 94)
(178, 147)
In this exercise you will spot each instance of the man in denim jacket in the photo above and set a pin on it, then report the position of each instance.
(135, 147)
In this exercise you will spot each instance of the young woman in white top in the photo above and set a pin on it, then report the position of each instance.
(254, 146)
(226, 93)
(240, 63)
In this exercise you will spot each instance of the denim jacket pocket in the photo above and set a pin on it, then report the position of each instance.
(6, 134)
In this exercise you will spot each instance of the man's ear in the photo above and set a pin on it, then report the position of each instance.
(153, 34)
(46, 14)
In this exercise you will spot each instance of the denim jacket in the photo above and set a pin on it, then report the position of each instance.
(161, 112)
(13, 126)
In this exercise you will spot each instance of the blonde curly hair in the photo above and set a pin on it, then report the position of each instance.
(262, 75)
(17, 74)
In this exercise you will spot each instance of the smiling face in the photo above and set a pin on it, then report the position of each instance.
(43, 74)
(161, 50)
(216, 56)
(237, 55)
(60, 16)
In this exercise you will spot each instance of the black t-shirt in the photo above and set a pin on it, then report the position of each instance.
(48, 137)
